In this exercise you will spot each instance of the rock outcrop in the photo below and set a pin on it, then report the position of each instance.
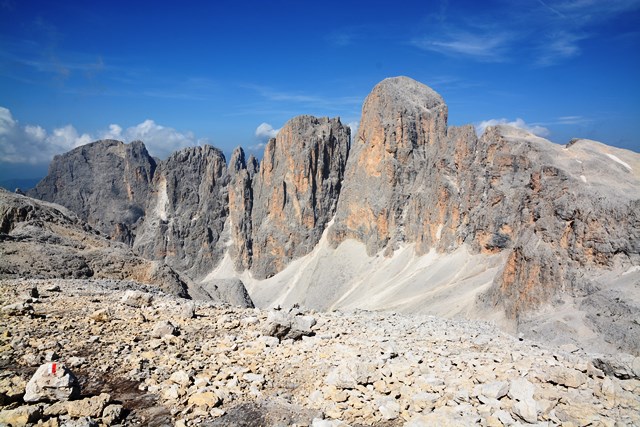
(296, 190)
(392, 182)
(44, 240)
(186, 211)
(106, 183)
(241, 174)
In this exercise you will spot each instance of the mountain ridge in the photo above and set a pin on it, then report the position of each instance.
(560, 222)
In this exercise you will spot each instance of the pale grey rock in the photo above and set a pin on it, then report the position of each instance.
(106, 183)
(495, 390)
(284, 325)
(18, 309)
(136, 298)
(296, 190)
(229, 291)
(163, 328)
(181, 378)
(188, 310)
(526, 407)
(349, 376)
(390, 410)
(46, 385)
(186, 211)
(80, 422)
(112, 414)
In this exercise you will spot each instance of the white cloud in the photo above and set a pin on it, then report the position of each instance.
(159, 140)
(354, 129)
(265, 131)
(34, 144)
(519, 123)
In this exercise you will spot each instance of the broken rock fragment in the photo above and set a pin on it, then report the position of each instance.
(52, 382)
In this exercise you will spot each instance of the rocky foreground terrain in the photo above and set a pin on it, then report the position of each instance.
(143, 357)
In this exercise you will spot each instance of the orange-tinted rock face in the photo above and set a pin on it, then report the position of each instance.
(394, 190)
(296, 190)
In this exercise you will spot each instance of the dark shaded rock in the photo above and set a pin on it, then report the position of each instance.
(186, 211)
(106, 183)
(240, 207)
(229, 291)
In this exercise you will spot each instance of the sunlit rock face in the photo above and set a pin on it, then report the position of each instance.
(296, 190)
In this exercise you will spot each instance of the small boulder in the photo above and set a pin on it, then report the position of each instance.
(163, 328)
(137, 299)
(101, 315)
(21, 416)
(288, 326)
(112, 414)
(188, 310)
(18, 309)
(89, 407)
(52, 382)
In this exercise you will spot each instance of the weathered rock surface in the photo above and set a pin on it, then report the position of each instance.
(44, 240)
(51, 382)
(358, 368)
(242, 173)
(296, 190)
(231, 291)
(106, 183)
(186, 211)
(393, 181)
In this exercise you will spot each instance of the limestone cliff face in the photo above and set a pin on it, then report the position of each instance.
(186, 211)
(241, 174)
(389, 190)
(296, 190)
(106, 183)
(559, 213)
(553, 212)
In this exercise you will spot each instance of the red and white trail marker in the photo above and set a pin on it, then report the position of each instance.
(52, 369)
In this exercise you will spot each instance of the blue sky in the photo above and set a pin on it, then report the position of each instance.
(230, 73)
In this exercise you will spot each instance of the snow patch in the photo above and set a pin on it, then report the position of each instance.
(583, 178)
(617, 160)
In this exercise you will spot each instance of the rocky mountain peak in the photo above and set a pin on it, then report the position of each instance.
(296, 190)
(106, 183)
(404, 93)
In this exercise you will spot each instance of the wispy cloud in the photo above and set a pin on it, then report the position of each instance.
(303, 98)
(35, 145)
(483, 47)
(546, 32)
(518, 123)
